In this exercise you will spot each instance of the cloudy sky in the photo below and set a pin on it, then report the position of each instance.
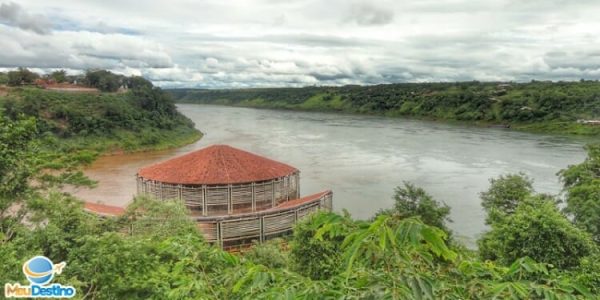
(243, 43)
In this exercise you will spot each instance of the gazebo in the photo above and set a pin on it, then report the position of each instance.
(234, 195)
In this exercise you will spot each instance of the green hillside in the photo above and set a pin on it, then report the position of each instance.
(536, 106)
(140, 119)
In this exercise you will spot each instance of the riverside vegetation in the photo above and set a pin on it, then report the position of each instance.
(533, 249)
(553, 107)
(142, 118)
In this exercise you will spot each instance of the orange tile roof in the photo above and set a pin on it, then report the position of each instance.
(103, 210)
(300, 201)
(217, 164)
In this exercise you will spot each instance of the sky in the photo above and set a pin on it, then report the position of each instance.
(268, 43)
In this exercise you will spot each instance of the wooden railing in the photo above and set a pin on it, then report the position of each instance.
(234, 230)
(207, 200)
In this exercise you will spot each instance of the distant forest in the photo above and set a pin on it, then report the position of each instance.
(535, 106)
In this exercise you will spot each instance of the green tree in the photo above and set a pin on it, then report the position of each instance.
(17, 166)
(103, 80)
(138, 82)
(3, 78)
(21, 76)
(505, 194)
(412, 201)
(582, 187)
(59, 76)
(538, 230)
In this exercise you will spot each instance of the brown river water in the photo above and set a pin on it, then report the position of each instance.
(362, 158)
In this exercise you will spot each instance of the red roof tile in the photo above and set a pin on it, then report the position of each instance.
(300, 201)
(103, 210)
(217, 164)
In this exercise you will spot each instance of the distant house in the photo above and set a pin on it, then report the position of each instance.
(51, 84)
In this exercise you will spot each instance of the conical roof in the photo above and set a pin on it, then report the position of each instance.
(217, 164)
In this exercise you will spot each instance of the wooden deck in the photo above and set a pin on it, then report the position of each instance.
(239, 229)
(234, 230)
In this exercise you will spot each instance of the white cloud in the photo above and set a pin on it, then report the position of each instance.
(13, 14)
(242, 43)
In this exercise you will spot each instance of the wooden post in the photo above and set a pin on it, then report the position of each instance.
(204, 206)
(229, 204)
(160, 187)
(219, 238)
(253, 197)
(297, 185)
(286, 187)
(272, 193)
(262, 229)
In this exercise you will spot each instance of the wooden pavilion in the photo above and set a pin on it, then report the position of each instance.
(234, 195)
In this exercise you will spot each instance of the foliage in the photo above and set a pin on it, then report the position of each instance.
(412, 201)
(150, 217)
(21, 76)
(505, 194)
(317, 255)
(3, 78)
(589, 272)
(272, 254)
(582, 187)
(144, 118)
(535, 106)
(59, 76)
(156, 252)
(103, 80)
(538, 230)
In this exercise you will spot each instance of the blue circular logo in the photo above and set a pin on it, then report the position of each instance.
(39, 270)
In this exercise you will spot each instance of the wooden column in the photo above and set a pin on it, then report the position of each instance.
(204, 206)
(160, 187)
(262, 229)
(253, 197)
(272, 193)
(219, 237)
(297, 185)
(229, 204)
(286, 187)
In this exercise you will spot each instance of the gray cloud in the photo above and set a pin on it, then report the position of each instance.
(258, 43)
(14, 15)
(367, 14)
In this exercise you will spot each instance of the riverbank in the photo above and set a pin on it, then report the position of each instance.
(555, 128)
(101, 123)
(539, 107)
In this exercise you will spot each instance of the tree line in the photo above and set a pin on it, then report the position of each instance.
(144, 117)
(536, 105)
(103, 80)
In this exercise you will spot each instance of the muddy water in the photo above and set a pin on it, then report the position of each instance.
(362, 158)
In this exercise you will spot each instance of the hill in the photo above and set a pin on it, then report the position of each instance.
(140, 119)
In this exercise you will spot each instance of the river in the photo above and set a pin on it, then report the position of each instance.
(362, 158)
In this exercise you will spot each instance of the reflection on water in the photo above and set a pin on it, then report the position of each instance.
(362, 158)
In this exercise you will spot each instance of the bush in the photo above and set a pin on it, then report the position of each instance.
(538, 230)
(505, 194)
(318, 257)
(411, 201)
(272, 254)
(21, 76)
(582, 187)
